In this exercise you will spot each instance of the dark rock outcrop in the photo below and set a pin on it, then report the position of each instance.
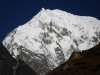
(86, 62)
(6, 61)
(9, 66)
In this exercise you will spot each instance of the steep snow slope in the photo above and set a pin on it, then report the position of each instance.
(50, 37)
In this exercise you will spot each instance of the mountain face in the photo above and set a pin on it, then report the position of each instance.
(86, 62)
(49, 38)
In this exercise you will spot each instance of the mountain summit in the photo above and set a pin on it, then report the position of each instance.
(49, 38)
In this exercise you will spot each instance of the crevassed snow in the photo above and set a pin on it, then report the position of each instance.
(77, 25)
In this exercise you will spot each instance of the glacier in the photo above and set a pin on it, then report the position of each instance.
(49, 38)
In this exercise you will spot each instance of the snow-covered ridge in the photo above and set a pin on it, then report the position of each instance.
(51, 36)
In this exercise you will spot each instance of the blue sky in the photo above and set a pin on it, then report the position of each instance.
(17, 12)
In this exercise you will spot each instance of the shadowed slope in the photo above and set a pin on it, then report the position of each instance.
(86, 62)
(9, 66)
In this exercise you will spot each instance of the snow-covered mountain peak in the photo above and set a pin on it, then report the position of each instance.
(50, 37)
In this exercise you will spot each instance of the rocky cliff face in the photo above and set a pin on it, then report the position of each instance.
(6, 61)
(49, 38)
(86, 62)
(9, 66)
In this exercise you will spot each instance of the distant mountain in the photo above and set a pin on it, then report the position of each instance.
(86, 62)
(49, 38)
(9, 66)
